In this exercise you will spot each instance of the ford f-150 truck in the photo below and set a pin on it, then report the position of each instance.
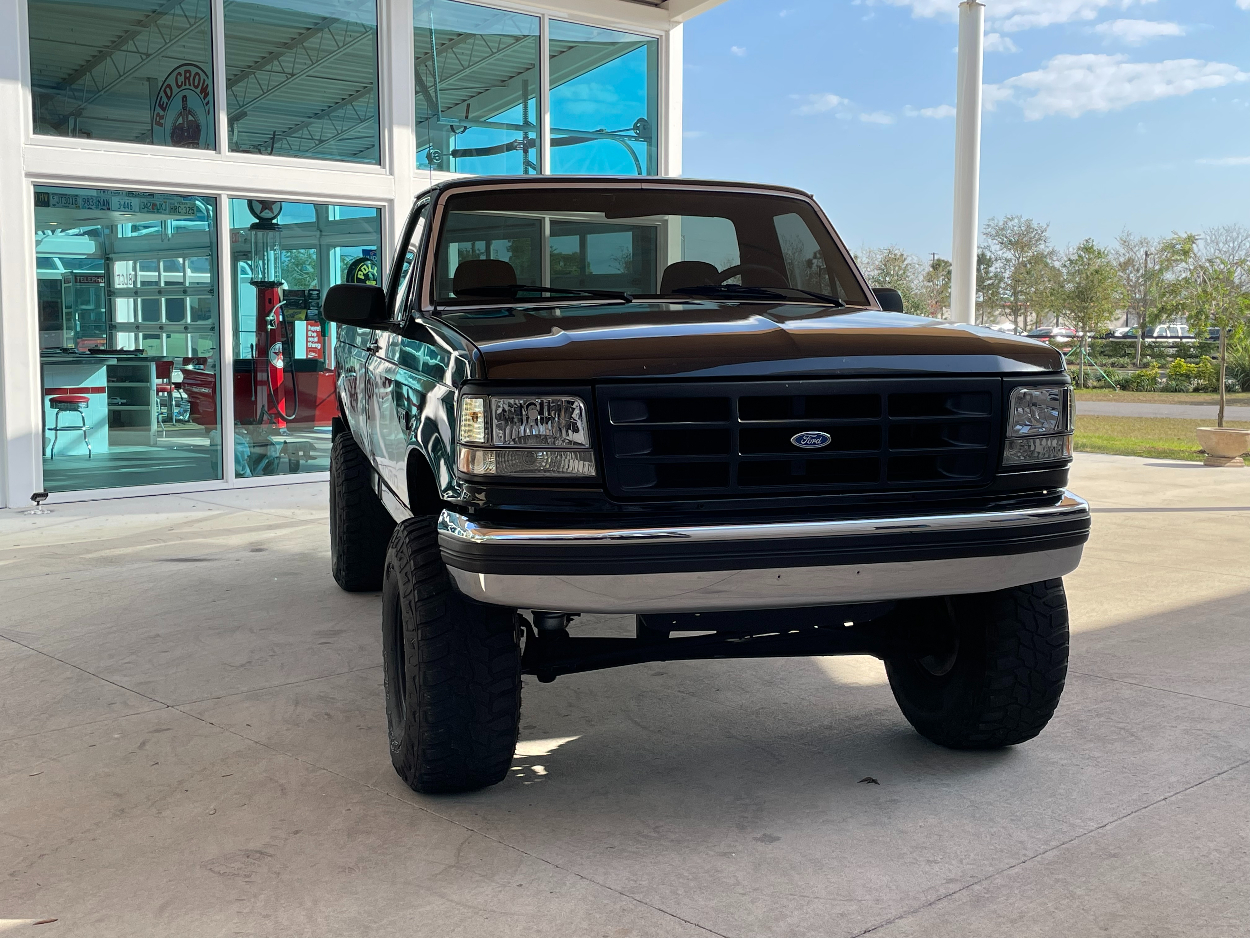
(680, 400)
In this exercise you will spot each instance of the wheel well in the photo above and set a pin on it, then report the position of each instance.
(423, 495)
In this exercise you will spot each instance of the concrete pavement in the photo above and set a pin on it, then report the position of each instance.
(192, 742)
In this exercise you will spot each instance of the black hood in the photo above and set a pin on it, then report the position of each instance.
(734, 339)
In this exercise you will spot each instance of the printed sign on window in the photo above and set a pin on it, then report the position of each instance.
(182, 115)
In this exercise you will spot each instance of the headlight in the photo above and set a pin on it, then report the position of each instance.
(1039, 426)
(528, 437)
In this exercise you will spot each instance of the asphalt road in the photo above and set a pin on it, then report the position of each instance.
(1183, 411)
(193, 742)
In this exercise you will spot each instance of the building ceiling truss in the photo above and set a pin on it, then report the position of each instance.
(440, 69)
(306, 54)
(353, 115)
(148, 38)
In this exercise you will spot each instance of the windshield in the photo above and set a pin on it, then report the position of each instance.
(549, 245)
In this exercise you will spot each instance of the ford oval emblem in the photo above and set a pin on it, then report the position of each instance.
(811, 439)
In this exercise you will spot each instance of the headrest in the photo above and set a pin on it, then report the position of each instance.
(689, 274)
(473, 275)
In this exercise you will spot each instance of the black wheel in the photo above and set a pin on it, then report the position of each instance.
(360, 526)
(452, 670)
(998, 679)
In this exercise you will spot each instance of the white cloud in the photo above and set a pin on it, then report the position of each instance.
(818, 103)
(1136, 32)
(1015, 15)
(1073, 85)
(694, 134)
(941, 112)
(877, 117)
(1244, 4)
(738, 50)
(997, 42)
(1230, 160)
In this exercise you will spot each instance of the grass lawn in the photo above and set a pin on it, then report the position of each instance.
(1158, 437)
(1160, 397)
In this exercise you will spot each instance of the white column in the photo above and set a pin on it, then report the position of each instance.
(21, 398)
(671, 93)
(967, 161)
(398, 119)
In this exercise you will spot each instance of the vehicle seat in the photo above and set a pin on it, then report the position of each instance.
(473, 275)
(689, 274)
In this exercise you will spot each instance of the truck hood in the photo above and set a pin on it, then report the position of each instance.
(733, 339)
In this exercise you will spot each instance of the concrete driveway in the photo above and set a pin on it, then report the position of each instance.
(193, 743)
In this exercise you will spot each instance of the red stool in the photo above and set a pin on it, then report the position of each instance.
(69, 404)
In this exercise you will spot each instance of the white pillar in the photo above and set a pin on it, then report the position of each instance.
(21, 400)
(671, 104)
(967, 161)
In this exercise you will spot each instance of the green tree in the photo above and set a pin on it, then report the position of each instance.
(299, 268)
(894, 268)
(1025, 259)
(1091, 292)
(936, 287)
(989, 288)
(1221, 275)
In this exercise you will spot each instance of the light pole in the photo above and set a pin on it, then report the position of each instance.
(967, 161)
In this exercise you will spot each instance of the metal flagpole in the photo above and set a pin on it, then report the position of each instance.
(967, 161)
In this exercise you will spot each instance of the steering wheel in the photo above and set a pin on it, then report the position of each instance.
(778, 280)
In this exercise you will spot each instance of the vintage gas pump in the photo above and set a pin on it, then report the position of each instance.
(271, 345)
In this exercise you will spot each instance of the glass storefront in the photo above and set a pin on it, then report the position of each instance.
(128, 337)
(477, 88)
(604, 100)
(134, 288)
(302, 78)
(284, 256)
(139, 71)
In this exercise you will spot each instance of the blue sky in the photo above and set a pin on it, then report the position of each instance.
(1104, 114)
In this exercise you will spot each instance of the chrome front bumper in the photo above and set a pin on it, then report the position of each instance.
(762, 566)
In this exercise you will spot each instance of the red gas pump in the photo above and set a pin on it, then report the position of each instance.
(281, 403)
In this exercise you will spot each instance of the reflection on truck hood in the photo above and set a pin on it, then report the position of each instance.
(733, 339)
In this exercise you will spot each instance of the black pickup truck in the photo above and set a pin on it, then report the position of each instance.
(681, 400)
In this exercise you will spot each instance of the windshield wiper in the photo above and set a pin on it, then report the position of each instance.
(773, 293)
(509, 292)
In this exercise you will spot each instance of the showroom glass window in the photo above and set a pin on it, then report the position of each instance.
(604, 100)
(476, 72)
(128, 337)
(284, 368)
(302, 78)
(139, 71)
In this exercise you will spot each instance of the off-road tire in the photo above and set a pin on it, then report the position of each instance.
(360, 526)
(452, 671)
(1007, 675)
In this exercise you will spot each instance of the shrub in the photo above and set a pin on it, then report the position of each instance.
(1145, 380)
(1239, 363)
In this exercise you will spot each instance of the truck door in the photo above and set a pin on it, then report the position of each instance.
(391, 411)
(352, 357)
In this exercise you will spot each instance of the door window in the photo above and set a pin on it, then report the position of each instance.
(128, 335)
(284, 380)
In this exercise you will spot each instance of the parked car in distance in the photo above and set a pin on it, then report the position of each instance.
(1054, 334)
(681, 401)
(1007, 329)
(1123, 332)
(1171, 330)
(1213, 333)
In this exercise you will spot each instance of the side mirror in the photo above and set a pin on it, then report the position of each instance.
(891, 300)
(355, 304)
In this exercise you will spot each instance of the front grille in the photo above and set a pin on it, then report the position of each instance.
(679, 440)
